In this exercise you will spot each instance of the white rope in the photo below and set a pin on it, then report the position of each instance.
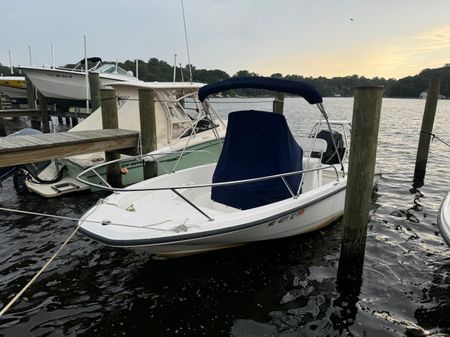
(20, 293)
(44, 267)
(103, 223)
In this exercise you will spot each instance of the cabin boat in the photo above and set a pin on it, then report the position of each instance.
(186, 136)
(69, 84)
(265, 185)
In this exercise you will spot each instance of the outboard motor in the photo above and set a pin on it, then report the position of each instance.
(331, 155)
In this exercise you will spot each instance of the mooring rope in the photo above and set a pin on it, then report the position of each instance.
(80, 222)
(20, 293)
(433, 137)
(103, 223)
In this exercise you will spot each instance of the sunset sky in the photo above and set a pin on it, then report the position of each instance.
(385, 38)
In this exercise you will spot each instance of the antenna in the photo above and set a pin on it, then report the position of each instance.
(53, 56)
(181, 71)
(174, 67)
(86, 74)
(187, 43)
(29, 53)
(137, 68)
(10, 62)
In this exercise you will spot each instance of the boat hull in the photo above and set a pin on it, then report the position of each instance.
(65, 85)
(443, 219)
(231, 240)
(294, 216)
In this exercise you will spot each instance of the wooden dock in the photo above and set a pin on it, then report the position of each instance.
(20, 113)
(34, 148)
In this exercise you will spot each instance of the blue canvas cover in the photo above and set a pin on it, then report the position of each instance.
(257, 144)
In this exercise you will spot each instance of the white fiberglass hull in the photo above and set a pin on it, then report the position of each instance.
(443, 219)
(162, 223)
(67, 85)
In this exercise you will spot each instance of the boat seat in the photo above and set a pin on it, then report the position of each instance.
(313, 179)
(257, 144)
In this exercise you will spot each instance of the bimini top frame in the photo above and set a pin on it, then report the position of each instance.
(303, 89)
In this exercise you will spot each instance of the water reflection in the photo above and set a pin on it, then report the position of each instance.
(433, 314)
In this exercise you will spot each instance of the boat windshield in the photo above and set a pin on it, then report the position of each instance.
(113, 69)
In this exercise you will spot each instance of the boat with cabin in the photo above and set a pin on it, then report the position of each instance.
(266, 185)
(69, 84)
(186, 136)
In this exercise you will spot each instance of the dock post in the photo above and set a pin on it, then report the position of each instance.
(94, 84)
(363, 149)
(278, 102)
(110, 120)
(148, 129)
(43, 107)
(426, 131)
(31, 98)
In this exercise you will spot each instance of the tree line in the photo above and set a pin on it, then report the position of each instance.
(410, 86)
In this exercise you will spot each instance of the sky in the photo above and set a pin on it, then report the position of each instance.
(384, 38)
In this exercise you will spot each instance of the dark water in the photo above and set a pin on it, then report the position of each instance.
(279, 288)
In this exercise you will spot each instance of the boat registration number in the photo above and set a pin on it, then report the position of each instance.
(286, 217)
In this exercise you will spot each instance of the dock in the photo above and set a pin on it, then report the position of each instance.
(34, 148)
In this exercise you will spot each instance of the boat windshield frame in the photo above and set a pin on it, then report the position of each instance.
(174, 189)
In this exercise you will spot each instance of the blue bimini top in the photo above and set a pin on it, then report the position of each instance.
(299, 88)
(257, 144)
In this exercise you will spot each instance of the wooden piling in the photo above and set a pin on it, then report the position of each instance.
(148, 129)
(43, 107)
(426, 131)
(31, 98)
(94, 84)
(110, 120)
(278, 102)
(364, 138)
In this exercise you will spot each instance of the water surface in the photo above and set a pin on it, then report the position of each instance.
(278, 288)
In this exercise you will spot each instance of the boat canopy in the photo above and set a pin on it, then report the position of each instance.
(303, 89)
(257, 144)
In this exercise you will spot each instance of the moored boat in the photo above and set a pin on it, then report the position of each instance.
(443, 219)
(182, 127)
(264, 186)
(69, 84)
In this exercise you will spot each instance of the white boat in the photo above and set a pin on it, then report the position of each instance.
(182, 127)
(264, 186)
(443, 219)
(70, 83)
(14, 87)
